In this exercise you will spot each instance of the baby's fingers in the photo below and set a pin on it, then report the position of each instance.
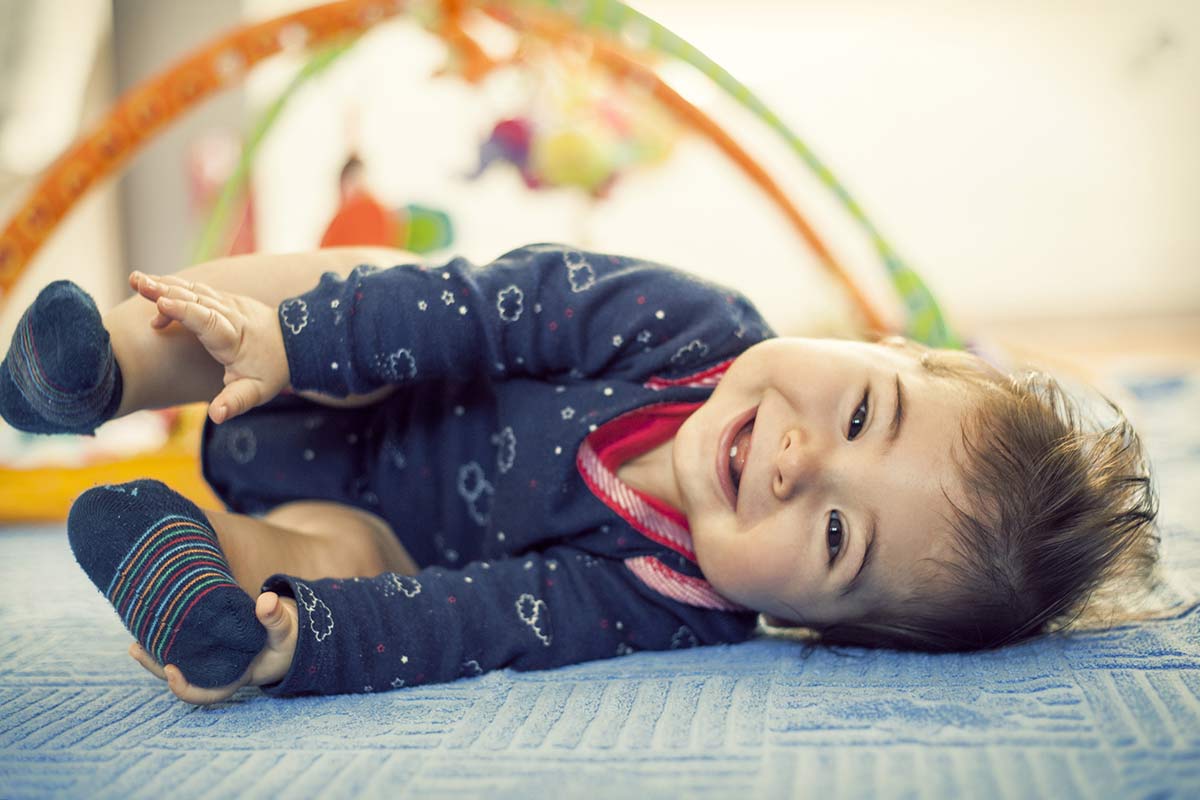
(197, 695)
(148, 288)
(236, 398)
(213, 328)
(142, 657)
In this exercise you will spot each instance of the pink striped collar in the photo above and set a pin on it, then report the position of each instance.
(620, 439)
(614, 443)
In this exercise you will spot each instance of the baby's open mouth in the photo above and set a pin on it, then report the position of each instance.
(739, 452)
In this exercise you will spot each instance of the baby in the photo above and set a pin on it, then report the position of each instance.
(558, 457)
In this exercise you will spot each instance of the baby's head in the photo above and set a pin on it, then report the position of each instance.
(892, 495)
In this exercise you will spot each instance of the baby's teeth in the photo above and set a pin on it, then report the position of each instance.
(733, 451)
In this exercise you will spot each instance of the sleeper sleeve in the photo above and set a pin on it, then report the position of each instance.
(539, 311)
(538, 611)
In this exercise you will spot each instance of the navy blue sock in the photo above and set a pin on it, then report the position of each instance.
(60, 375)
(153, 554)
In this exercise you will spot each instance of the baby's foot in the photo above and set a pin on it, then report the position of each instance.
(60, 375)
(153, 554)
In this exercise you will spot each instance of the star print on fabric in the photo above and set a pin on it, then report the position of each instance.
(617, 340)
(470, 668)
(397, 683)
(421, 304)
(624, 649)
(643, 336)
(448, 297)
(568, 412)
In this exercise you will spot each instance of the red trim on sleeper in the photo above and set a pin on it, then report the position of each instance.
(614, 443)
(682, 588)
(635, 432)
(710, 376)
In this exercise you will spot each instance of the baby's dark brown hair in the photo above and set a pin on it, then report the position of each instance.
(1059, 506)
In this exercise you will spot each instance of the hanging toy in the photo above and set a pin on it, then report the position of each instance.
(584, 156)
(509, 142)
(581, 128)
(362, 220)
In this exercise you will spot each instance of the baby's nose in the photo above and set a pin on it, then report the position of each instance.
(795, 463)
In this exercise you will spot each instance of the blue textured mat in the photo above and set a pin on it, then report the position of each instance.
(1112, 714)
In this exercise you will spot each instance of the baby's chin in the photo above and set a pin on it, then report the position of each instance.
(711, 568)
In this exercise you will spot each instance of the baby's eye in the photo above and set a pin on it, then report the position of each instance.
(834, 535)
(860, 416)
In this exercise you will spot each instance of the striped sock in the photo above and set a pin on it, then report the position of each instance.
(153, 554)
(60, 375)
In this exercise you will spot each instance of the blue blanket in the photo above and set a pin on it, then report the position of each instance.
(1104, 714)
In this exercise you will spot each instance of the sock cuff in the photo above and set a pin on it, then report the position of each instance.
(69, 408)
(60, 374)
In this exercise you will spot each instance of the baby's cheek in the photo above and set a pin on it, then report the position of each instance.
(754, 572)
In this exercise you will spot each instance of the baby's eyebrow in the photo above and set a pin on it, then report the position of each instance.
(897, 418)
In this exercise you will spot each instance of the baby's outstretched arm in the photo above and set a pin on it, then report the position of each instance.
(165, 365)
(278, 615)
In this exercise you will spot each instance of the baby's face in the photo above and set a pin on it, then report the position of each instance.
(783, 526)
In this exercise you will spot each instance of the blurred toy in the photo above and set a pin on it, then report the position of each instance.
(509, 142)
(362, 219)
(583, 129)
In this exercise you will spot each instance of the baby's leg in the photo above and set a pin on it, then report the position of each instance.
(309, 539)
(170, 367)
(182, 580)
(70, 368)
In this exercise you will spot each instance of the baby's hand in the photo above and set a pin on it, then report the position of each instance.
(240, 332)
(278, 615)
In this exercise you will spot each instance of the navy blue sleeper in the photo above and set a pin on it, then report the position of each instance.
(522, 386)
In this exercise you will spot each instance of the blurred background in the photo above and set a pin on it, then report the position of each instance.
(1035, 162)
